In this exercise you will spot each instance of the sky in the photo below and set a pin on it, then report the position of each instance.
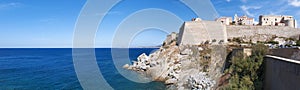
(51, 23)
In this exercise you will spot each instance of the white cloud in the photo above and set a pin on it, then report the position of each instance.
(247, 8)
(228, 0)
(295, 3)
(9, 5)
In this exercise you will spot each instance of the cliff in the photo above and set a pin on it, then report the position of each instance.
(184, 66)
(195, 58)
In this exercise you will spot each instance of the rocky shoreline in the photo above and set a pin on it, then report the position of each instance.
(183, 67)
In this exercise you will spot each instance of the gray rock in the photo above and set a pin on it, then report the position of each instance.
(186, 52)
(126, 66)
(143, 58)
(171, 81)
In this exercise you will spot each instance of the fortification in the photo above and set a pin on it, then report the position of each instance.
(198, 31)
(248, 31)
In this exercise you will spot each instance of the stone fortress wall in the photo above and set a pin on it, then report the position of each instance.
(198, 32)
(234, 31)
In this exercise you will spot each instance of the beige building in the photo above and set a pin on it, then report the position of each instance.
(276, 20)
(243, 20)
(245, 51)
(225, 20)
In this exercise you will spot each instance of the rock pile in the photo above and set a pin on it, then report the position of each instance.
(200, 82)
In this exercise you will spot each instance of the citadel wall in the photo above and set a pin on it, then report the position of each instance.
(248, 31)
(198, 32)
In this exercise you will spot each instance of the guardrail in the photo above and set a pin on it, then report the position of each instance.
(283, 59)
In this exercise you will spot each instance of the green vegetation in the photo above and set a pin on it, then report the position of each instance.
(247, 72)
(206, 42)
(273, 42)
(214, 40)
(239, 40)
(289, 39)
(205, 59)
(268, 42)
(298, 42)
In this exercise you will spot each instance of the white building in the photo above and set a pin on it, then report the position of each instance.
(243, 20)
(277, 20)
(225, 20)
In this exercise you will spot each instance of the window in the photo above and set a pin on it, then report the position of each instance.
(275, 19)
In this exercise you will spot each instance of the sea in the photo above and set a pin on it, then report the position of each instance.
(53, 69)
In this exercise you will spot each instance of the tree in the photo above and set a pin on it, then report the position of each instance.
(247, 72)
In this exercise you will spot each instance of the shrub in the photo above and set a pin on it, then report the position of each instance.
(214, 40)
(273, 42)
(298, 42)
(237, 40)
(289, 39)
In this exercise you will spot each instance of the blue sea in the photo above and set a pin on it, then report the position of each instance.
(49, 68)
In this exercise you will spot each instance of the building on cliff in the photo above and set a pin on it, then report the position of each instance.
(264, 20)
(199, 31)
(276, 20)
(225, 20)
(243, 20)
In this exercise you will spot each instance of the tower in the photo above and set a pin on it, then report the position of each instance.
(236, 19)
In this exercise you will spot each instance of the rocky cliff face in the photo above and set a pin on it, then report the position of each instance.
(183, 67)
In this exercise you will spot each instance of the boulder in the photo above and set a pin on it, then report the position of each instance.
(126, 66)
(143, 58)
(200, 49)
(171, 81)
(186, 52)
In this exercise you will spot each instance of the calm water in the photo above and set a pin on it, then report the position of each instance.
(53, 69)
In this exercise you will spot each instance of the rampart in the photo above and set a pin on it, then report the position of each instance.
(248, 31)
(198, 32)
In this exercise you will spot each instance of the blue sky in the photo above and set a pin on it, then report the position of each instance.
(50, 23)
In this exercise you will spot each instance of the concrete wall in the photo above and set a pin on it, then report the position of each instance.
(197, 32)
(291, 53)
(248, 31)
(281, 74)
